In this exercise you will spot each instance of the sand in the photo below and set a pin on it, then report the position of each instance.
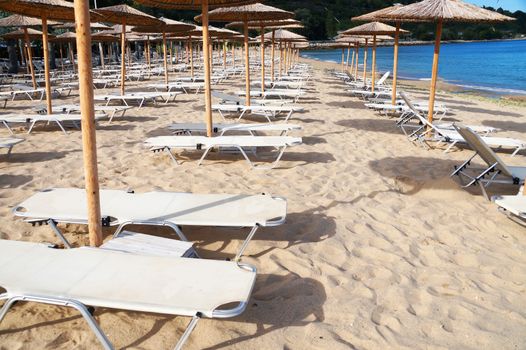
(381, 249)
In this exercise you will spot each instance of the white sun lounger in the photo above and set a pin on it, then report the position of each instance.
(28, 92)
(513, 206)
(138, 97)
(9, 143)
(183, 86)
(87, 278)
(238, 142)
(496, 171)
(172, 209)
(233, 99)
(32, 119)
(267, 111)
(111, 111)
(221, 129)
(453, 137)
(276, 93)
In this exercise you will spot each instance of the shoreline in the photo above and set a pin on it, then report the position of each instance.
(325, 45)
(446, 86)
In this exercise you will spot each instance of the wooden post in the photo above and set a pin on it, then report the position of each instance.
(165, 62)
(89, 143)
(128, 52)
(247, 62)
(71, 57)
(224, 54)
(211, 58)
(187, 50)
(233, 54)
(343, 59)
(23, 53)
(285, 57)
(29, 60)
(365, 63)
(61, 58)
(348, 56)
(373, 70)
(280, 59)
(272, 56)
(123, 55)
(262, 49)
(171, 58)
(395, 63)
(206, 53)
(191, 47)
(357, 60)
(352, 60)
(434, 75)
(46, 64)
(148, 59)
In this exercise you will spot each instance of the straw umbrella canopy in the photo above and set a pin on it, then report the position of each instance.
(33, 34)
(167, 26)
(286, 37)
(374, 29)
(78, 12)
(93, 26)
(440, 11)
(273, 25)
(203, 5)
(246, 13)
(126, 15)
(24, 22)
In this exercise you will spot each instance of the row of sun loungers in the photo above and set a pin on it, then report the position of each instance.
(479, 138)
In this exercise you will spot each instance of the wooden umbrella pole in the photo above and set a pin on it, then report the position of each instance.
(280, 59)
(224, 54)
(211, 58)
(148, 59)
(434, 75)
(352, 60)
(23, 53)
(29, 60)
(272, 54)
(343, 59)
(171, 53)
(357, 60)
(123, 55)
(233, 54)
(348, 56)
(87, 109)
(262, 49)
(247, 62)
(285, 57)
(365, 63)
(165, 59)
(187, 50)
(128, 52)
(206, 53)
(46, 64)
(395, 63)
(61, 58)
(101, 52)
(71, 56)
(191, 47)
(373, 70)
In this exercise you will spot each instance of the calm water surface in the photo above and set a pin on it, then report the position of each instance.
(497, 66)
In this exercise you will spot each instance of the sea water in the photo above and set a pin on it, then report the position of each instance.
(497, 67)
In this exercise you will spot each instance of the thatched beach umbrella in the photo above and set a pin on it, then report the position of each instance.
(246, 13)
(24, 22)
(62, 10)
(287, 37)
(440, 11)
(203, 5)
(167, 26)
(126, 15)
(273, 25)
(378, 16)
(374, 29)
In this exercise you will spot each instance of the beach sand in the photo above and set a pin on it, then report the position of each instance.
(381, 249)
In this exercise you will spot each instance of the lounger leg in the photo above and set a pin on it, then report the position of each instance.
(516, 151)
(69, 303)
(245, 243)
(61, 127)
(31, 127)
(167, 149)
(204, 155)
(8, 128)
(7, 305)
(187, 332)
(55, 229)
(288, 115)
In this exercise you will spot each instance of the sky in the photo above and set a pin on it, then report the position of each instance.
(511, 5)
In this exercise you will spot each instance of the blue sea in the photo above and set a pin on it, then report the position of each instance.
(497, 67)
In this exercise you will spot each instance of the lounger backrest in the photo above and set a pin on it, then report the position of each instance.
(226, 97)
(484, 151)
(417, 113)
(383, 78)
